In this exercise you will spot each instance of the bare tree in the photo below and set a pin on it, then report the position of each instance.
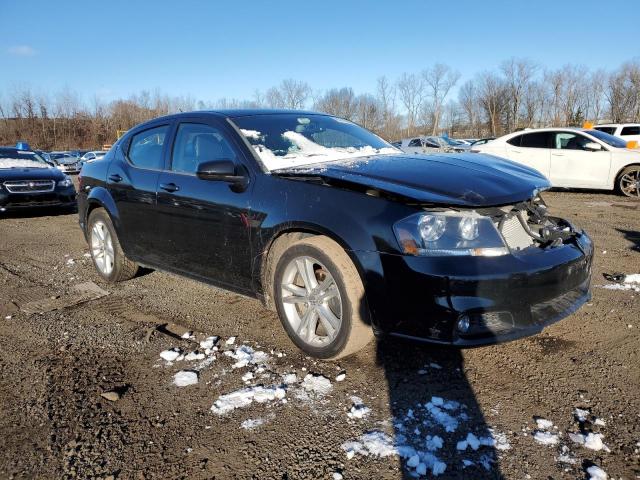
(491, 95)
(518, 75)
(289, 94)
(439, 80)
(411, 90)
(340, 102)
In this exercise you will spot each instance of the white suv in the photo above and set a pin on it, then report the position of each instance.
(626, 131)
(573, 157)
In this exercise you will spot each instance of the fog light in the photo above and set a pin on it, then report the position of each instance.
(463, 324)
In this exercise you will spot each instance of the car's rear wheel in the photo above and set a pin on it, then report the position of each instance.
(108, 257)
(319, 297)
(629, 181)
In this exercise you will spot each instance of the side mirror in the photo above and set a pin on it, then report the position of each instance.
(592, 146)
(223, 171)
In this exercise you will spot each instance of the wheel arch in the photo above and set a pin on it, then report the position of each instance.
(616, 177)
(280, 240)
(100, 198)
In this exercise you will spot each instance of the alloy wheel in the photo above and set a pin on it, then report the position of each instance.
(630, 183)
(102, 248)
(311, 301)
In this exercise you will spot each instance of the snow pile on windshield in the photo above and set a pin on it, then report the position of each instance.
(21, 163)
(304, 151)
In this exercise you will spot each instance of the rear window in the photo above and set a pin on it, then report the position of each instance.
(515, 141)
(536, 140)
(609, 130)
(630, 130)
(145, 150)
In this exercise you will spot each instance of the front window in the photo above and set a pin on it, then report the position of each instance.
(21, 159)
(292, 140)
(608, 139)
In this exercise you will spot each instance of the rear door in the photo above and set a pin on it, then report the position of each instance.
(204, 224)
(573, 165)
(132, 180)
(531, 149)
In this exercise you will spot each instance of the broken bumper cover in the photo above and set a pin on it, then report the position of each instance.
(60, 197)
(475, 301)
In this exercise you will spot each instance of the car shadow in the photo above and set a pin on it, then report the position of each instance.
(631, 236)
(433, 408)
(436, 425)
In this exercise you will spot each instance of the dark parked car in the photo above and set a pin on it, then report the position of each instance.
(340, 232)
(26, 180)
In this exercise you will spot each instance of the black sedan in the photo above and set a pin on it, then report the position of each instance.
(340, 232)
(27, 181)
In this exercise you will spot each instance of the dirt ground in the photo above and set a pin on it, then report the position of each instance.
(54, 366)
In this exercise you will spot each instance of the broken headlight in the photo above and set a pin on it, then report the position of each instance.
(435, 234)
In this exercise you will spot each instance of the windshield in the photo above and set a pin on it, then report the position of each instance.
(21, 159)
(291, 140)
(608, 139)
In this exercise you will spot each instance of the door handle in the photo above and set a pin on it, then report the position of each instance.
(558, 154)
(115, 178)
(169, 187)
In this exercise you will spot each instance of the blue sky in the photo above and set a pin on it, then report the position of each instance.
(213, 49)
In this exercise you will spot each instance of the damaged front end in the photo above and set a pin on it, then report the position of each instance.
(529, 225)
(496, 273)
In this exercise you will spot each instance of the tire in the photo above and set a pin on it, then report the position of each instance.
(624, 182)
(337, 300)
(116, 266)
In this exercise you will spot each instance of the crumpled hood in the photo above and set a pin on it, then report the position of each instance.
(462, 179)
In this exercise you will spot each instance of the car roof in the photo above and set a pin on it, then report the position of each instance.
(230, 113)
(617, 124)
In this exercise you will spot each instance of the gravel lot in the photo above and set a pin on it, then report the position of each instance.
(55, 366)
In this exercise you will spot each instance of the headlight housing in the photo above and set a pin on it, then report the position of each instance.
(65, 182)
(436, 234)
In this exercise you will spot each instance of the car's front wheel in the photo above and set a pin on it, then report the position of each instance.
(106, 252)
(629, 181)
(320, 299)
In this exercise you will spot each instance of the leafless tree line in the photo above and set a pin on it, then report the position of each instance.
(518, 94)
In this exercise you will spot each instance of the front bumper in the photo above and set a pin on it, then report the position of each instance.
(59, 197)
(501, 298)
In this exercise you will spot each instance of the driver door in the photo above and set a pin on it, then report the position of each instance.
(204, 224)
(575, 165)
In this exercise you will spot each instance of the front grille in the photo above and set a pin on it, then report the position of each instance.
(514, 234)
(29, 186)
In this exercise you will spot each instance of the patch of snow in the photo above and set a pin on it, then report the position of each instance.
(190, 357)
(318, 384)
(596, 473)
(600, 422)
(230, 341)
(435, 365)
(546, 438)
(449, 423)
(245, 397)
(252, 423)
(544, 424)
(245, 355)
(592, 441)
(21, 163)
(581, 414)
(358, 409)
(185, 378)
(337, 476)
(187, 335)
(209, 342)
(289, 378)
(340, 377)
(170, 355)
